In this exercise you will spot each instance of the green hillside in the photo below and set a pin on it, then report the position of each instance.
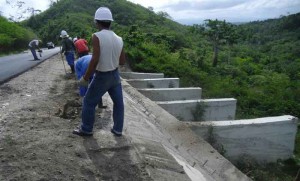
(76, 18)
(13, 37)
(257, 63)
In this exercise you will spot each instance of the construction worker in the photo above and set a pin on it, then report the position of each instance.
(34, 44)
(74, 40)
(68, 49)
(108, 53)
(80, 68)
(81, 47)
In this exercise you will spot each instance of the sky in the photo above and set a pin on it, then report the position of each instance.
(186, 11)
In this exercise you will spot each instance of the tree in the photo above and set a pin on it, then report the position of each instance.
(197, 29)
(134, 36)
(13, 37)
(231, 38)
(219, 32)
(150, 8)
(32, 11)
(163, 15)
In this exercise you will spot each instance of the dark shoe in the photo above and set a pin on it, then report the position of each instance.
(80, 133)
(37, 59)
(116, 134)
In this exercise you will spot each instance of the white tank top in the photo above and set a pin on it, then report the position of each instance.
(33, 43)
(111, 46)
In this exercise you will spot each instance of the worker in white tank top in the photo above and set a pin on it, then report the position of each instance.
(108, 54)
(110, 47)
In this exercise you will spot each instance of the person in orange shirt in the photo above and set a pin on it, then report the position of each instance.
(82, 48)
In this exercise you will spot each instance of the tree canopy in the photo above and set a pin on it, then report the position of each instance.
(13, 37)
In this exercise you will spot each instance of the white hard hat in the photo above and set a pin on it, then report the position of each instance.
(63, 34)
(74, 39)
(103, 14)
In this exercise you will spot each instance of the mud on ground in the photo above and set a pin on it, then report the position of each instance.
(38, 111)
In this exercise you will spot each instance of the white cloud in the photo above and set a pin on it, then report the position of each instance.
(203, 5)
(277, 4)
(21, 9)
(195, 11)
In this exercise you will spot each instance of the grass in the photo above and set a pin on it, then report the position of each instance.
(279, 171)
(282, 170)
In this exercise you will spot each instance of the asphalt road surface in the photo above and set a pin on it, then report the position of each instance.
(14, 65)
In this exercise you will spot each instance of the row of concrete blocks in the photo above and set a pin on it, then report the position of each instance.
(264, 139)
(184, 103)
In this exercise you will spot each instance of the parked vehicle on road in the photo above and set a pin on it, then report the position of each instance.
(50, 45)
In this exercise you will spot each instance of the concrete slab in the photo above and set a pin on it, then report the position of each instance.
(146, 122)
(138, 75)
(172, 94)
(264, 139)
(161, 165)
(201, 110)
(154, 83)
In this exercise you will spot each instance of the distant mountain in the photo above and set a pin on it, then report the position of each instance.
(76, 18)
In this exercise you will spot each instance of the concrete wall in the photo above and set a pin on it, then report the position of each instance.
(213, 109)
(265, 139)
(137, 75)
(154, 83)
(143, 116)
(172, 94)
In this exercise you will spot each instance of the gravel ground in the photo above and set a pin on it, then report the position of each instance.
(38, 111)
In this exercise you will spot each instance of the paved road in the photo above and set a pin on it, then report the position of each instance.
(13, 65)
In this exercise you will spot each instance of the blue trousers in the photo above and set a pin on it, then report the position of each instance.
(33, 52)
(103, 82)
(70, 58)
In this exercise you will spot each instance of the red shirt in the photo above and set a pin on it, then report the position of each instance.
(81, 46)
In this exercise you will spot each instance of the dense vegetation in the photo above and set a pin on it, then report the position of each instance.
(257, 63)
(13, 37)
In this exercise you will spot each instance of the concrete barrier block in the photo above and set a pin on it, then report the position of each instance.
(154, 83)
(138, 75)
(146, 120)
(172, 94)
(264, 139)
(201, 110)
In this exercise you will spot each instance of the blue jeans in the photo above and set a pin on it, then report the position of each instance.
(103, 82)
(32, 49)
(70, 58)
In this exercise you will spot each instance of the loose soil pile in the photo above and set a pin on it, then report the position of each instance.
(38, 111)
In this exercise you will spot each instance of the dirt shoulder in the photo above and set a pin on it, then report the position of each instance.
(40, 108)
(38, 111)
